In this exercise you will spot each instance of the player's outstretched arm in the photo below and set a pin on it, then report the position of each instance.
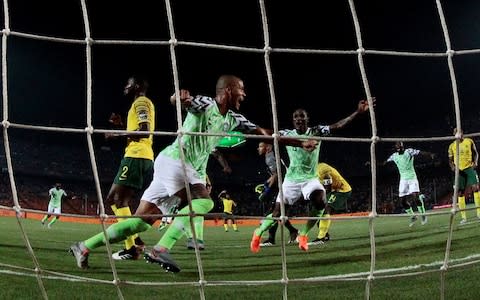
(362, 107)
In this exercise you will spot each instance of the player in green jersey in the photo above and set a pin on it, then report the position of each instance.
(184, 161)
(301, 178)
(408, 187)
(55, 204)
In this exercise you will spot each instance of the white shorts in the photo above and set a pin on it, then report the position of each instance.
(407, 187)
(53, 209)
(293, 191)
(168, 178)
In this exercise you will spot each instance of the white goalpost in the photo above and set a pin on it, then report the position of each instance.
(41, 273)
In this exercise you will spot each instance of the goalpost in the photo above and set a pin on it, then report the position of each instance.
(173, 43)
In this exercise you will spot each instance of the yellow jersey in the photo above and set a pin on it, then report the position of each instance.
(141, 111)
(339, 184)
(465, 153)
(228, 205)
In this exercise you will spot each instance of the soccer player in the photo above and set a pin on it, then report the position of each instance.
(55, 204)
(468, 178)
(301, 178)
(137, 163)
(269, 192)
(338, 192)
(205, 114)
(228, 205)
(408, 187)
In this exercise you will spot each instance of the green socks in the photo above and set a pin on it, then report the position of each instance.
(176, 230)
(409, 211)
(310, 223)
(421, 208)
(266, 224)
(117, 232)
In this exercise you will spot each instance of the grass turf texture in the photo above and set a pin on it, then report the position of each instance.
(227, 258)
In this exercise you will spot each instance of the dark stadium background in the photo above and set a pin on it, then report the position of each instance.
(47, 86)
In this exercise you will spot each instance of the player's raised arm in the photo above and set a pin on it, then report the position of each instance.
(362, 107)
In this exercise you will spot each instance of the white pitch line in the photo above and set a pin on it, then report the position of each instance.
(382, 271)
(393, 270)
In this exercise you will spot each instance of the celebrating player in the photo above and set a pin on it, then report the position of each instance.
(55, 204)
(408, 187)
(301, 178)
(205, 114)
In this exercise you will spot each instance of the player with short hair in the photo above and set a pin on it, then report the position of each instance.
(136, 165)
(56, 194)
(301, 179)
(468, 177)
(205, 114)
(408, 187)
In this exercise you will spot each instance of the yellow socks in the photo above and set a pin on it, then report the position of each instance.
(476, 198)
(324, 226)
(125, 211)
(462, 205)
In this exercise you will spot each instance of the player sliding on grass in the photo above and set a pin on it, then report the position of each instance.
(301, 177)
(206, 115)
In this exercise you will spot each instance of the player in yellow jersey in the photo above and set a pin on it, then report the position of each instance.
(228, 206)
(338, 192)
(467, 163)
(136, 166)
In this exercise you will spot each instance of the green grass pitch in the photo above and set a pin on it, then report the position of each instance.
(418, 251)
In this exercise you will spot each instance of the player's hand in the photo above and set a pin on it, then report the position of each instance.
(309, 145)
(265, 192)
(363, 105)
(185, 98)
(115, 119)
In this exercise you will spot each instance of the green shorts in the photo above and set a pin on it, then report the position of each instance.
(228, 216)
(338, 200)
(134, 172)
(467, 177)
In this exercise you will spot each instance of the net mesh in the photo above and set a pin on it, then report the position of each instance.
(173, 43)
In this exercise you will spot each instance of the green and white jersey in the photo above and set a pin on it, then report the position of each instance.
(56, 197)
(404, 163)
(204, 116)
(303, 164)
